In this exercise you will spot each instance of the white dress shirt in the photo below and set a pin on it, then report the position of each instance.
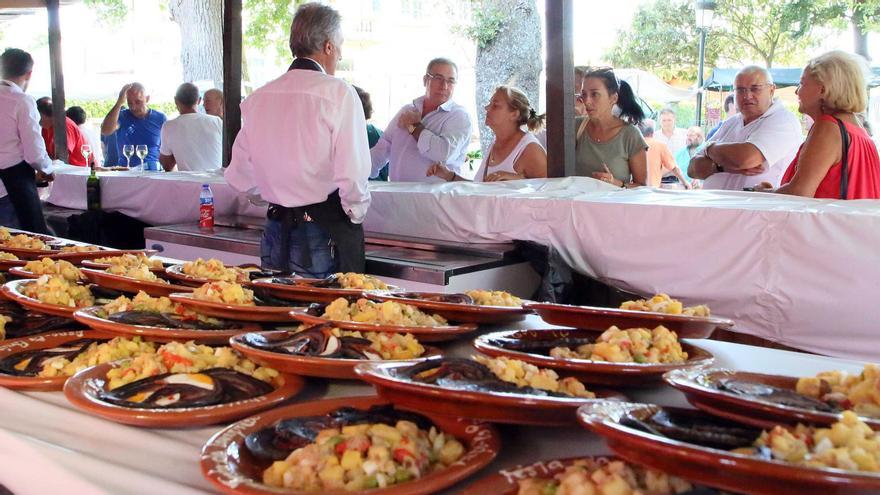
(93, 139)
(303, 136)
(776, 134)
(674, 143)
(20, 138)
(195, 140)
(444, 139)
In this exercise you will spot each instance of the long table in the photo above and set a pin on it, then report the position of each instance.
(46, 442)
(802, 272)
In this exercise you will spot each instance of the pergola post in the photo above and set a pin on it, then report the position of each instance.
(232, 41)
(57, 74)
(560, 88)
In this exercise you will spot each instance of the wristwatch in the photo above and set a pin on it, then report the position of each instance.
(412, 127)
(718, 168)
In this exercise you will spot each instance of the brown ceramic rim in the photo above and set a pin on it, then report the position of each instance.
(132, 285)
(237, 312)
(315, 365)
(481, 439)
(12, 290)
(466, 313)
(88, 316)
(6, 265)
(81, 391)
(176, 272)
(304, 291)
(42, 341)
(740, 472)
(423, 334)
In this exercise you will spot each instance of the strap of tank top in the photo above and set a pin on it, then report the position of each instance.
(844, 158)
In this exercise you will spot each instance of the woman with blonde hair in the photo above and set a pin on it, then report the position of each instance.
(515, 153)
(838, 160)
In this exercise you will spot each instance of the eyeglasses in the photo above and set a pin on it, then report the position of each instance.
(753, 89)
(437, 78)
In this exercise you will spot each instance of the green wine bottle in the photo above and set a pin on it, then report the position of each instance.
(93, 190)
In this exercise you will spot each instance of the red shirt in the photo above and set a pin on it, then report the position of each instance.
(74, 143)
(863, 168)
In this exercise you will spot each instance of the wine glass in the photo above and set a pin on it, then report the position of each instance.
(86, 152)
(141, 151)
(128, 150)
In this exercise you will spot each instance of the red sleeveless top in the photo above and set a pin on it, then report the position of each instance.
(863, 167)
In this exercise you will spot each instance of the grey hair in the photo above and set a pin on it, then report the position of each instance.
(138, 87)
(187, 94)
(313, 25)
(441, 61)
(755, 69)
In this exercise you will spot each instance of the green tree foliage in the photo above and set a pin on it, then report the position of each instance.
(269, 24)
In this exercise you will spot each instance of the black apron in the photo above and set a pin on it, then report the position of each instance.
(21, 186)
(328, 214)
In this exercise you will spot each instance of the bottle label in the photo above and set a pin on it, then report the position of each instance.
(206, 216)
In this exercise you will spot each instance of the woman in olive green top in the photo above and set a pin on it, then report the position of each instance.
(609, 148)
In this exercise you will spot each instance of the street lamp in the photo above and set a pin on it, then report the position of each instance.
(705, 10)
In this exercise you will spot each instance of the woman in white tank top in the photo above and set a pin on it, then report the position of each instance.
(514, 154)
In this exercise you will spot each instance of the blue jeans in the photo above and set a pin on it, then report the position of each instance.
(307, 235)
(8, 218)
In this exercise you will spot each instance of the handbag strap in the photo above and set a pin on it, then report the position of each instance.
(844, 157)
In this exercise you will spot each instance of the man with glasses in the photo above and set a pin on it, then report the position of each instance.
(431, 129)
(755, 145)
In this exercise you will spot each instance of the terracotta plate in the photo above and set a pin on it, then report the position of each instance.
(714, 467)
(465, 313)
(697, 385)
(6, 265)
(237, 312)
(304, 290)
(586, 370)
(29, 254)
(228, 465)
(506, 481)
(89, 316)
(12, 290)
(497, 407)
(38, 342)
(423, 334)
(132, 285)
(82, 391)
(176, 272)
(324, 367)
(595, 318)
(76, 258)
(103, 266)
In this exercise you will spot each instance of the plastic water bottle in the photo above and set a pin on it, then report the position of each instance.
(206, 207)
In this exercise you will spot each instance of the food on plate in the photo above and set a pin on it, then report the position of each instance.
(494, 298)
(81, 249)
(496, 375)
(857, 391)
(22, 322)
(139, 272)
(143, 309)
(662, 303)
(351, 280)
(634, 345)
(3, 321)
(24, 241)
(603, 477)
(225, 292)
(768, 393)
(130, 259)
(848, 444)
(384, 313)
(4, 234)
(52, 289)
(4, 256)
(66, 359)
(189, 357)
(324, 340)
(351, 449)
(213, 269)
(62, 268)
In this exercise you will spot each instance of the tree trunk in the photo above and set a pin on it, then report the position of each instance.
(860, 37)
(513, 57)
(201, 38)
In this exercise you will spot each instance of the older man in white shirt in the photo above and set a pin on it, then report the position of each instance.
(432, 129)
(303, 148)
(22, 149)
(193, 141)
(755, 145)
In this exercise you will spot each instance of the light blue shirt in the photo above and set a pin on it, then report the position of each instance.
(444, 139)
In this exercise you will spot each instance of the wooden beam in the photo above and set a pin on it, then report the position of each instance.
(232, 42)
(57, 74)
(560, 88)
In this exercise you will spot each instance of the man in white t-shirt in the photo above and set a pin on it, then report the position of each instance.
(755, 145)
(193, 141)
(673, 137)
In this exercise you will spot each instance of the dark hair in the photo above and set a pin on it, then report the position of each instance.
(15, 63)
(77, 115)
(44, 106)
(728, 101)
(630, 110)
(647, 129)
(187, 94)
(441, 61)
(366, 102)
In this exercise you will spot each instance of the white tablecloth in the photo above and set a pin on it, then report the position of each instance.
(802, 272)
(128, 460)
